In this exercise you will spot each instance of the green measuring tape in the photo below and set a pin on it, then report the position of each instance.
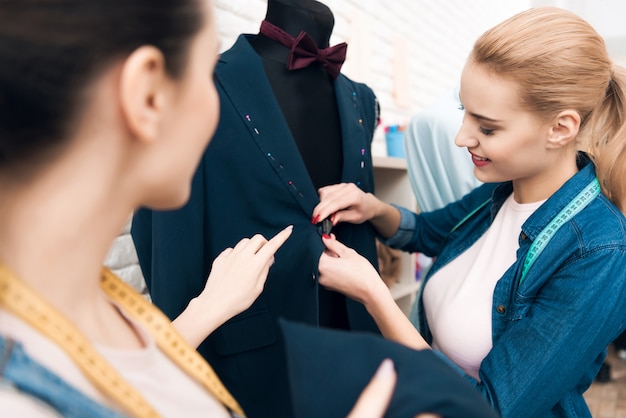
(568, 212)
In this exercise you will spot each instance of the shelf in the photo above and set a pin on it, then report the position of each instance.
(389, 162)
(400, 290)
(392, 185)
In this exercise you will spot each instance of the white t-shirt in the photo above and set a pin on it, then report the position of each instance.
(165, 386)
(458, 298)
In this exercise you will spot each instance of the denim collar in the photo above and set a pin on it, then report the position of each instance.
(555, 203)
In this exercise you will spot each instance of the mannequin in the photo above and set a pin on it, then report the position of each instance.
(308, 102)
(306, 96)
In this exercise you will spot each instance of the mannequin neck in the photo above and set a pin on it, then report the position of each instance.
(294, 16)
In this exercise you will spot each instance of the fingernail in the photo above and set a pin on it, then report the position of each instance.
(325, 236)
(386, 368)
(315, 219)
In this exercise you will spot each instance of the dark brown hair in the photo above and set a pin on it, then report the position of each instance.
(50, 50)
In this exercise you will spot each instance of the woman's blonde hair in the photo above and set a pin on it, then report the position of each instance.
(560, 62)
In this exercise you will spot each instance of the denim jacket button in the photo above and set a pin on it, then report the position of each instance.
(523, 236)
(501, 309)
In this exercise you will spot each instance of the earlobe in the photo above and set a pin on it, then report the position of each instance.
(142, 92)
(565, 129)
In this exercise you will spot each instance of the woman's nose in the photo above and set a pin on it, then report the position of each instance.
(464, 137)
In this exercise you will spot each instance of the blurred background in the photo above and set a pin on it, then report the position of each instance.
(411, 52)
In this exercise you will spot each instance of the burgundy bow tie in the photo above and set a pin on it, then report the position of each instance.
(304, 50)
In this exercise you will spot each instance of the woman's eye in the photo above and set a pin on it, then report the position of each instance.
(461, 107)
(485, 131)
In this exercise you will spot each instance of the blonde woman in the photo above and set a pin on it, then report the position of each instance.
(528, 286)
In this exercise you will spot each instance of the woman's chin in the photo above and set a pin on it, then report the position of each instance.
(171, 201)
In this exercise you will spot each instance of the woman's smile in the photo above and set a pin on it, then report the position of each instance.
(479, 161)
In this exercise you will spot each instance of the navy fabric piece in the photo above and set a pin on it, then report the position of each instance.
(328, 369)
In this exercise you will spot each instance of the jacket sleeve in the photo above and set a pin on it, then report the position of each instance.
(427, 232)
(170, 248)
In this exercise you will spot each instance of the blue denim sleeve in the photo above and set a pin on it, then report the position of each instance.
(406, 230)
(425, 232)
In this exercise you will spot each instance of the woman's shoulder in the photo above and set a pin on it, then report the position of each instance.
(601, 223)
(44, 353)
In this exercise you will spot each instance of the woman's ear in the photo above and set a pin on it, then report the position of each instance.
(142, 92)
(564, 129)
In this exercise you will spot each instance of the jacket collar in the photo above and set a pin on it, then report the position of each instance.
(555, 203)
(241, 75)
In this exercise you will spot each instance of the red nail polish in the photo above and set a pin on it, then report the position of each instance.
(325, 236)
(315, 219)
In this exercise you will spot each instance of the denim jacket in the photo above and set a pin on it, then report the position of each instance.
(550, 333)
(26, 375)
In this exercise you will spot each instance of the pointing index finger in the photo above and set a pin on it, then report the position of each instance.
(271, 246)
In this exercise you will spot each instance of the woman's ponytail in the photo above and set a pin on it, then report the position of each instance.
(608, 139)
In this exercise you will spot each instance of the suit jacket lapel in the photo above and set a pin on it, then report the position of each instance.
(356, 138)
(240, 73)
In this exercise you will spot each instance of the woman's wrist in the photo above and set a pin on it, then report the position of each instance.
(386, 218)
(392, 322)
(377, 297)
(378, 207)
(199, 319)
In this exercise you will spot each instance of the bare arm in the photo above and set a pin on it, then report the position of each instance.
(343, 270)
(237, 279)
(392, 322)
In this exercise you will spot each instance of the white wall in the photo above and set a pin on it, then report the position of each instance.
(606, 16)
(439, 35)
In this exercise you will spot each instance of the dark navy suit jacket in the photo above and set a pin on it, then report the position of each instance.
(252, 180)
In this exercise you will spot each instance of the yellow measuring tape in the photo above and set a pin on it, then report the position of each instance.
(22, 301)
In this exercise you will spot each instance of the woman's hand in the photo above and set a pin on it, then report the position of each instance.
(236, 280)
(345, 271)
(345, 202)
(376, 396)
(238, 274)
